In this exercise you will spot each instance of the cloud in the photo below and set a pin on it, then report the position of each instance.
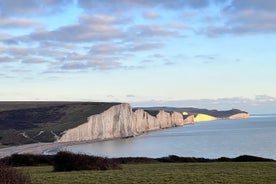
(253, 4)
(34, 60)
(6, 59)
(145, 46)
(125, 5)
(82, 33)
(17, 23)
(31, 7)
(130, 96)
(244, 17)
(106, 49)
(151, 15)
(99, 64)
(154, 30)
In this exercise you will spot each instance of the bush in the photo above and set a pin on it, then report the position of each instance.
(249, 158)
(65, 161)
(177, 159)
(135, 160)
(9, 175)
(27, 160)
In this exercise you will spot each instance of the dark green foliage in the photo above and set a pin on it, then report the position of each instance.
(65, 161)
(135, 160)
(243, 158)
(9, 175)
(28, 160)
(177, 159)
(249, 158)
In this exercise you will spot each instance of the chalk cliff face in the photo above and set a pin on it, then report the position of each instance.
(120, 121)
(239, 116)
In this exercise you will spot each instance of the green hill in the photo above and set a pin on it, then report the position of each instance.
(30, 122)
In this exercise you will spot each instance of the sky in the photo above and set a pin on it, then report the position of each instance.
(203, 53)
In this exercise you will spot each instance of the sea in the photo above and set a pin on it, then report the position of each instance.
(213, 139)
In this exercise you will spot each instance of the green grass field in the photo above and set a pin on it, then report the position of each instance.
(238, 172)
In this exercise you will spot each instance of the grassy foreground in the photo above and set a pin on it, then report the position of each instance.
(230, 172)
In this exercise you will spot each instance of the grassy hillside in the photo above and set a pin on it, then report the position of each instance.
(230, 172)
(30, 122)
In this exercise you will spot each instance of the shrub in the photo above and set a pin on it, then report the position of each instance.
(9, 175)
(66, 161)
(27, 160)
(135, 160)
(177, 159)
(249, 158)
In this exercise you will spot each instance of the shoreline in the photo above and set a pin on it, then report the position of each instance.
(41, 148)
(44, 147)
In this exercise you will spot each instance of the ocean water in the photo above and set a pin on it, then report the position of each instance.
(229, 138)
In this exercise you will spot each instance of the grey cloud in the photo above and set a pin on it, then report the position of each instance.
(120, 5)
(31, 7)
(265, 98)
(130, 96)
(34, 60)
(18, 51)
(245, 17)
(106, 49)
(179, 26)
(254, 4)
(10, 41)
(100, 19)
(17, 23)
(145, 46)
(151, 15)
(6, 59)
(4, 36)
(74, 66)
(153, 30)
(157, 56)
(79, 33)
(104, 64)
(100, 64)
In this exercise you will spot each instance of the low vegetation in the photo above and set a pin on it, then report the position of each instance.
(174, 173)
(171, 169)
(9, 175)
(65, 161)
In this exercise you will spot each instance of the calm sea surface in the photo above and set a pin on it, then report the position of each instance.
(229, 138)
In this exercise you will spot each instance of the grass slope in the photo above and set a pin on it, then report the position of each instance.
(30, 122)
(230, 172)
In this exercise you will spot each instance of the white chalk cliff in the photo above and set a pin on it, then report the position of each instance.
(120, 121)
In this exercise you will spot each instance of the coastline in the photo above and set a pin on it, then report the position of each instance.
(40, 148)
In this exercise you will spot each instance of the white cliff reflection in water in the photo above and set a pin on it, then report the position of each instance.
(230, 138)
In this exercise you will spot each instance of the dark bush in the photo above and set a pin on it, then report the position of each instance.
(249, 158)
(176, 159)
(28, 160)
(9, 175)
(66, 161)
(134, 160)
